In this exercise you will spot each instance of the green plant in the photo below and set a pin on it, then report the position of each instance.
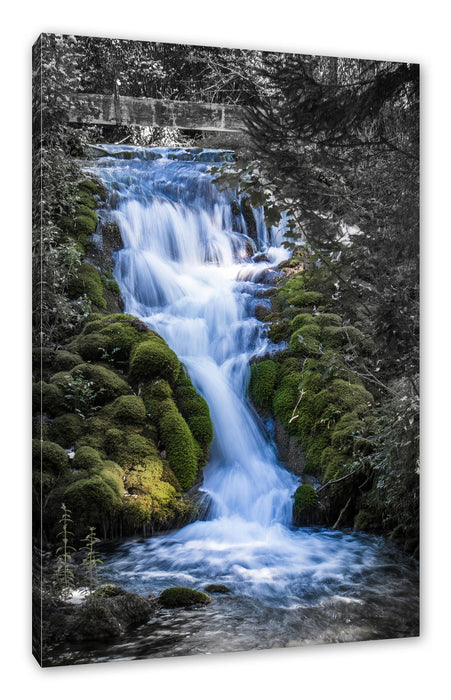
(81, 396)
(91, 561)
(65, 571)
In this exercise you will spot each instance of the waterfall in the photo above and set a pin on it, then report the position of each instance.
(187, 269)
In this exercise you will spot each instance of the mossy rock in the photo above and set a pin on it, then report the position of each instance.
(201, 429)
(64, 361)
(286, 397)
(107, 384)
(333, 463)
(153, 359)
(344, 431)
(301, 320)
(262, 383)
(303, 298)
(217, 588)
(92, 347)
(180, 597)
(49, 457)
(136, 512)
(48, 397)
(67, 429)
(90, 500)
(306, 339)
(181, 448)
(328, 319)
(88, 282)
(279, 332)
(314, 453)
(304, 498)
(129, 449)
(126, 410)
(88, 459)
(93, 187)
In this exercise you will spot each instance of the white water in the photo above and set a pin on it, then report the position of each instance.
(186, 270)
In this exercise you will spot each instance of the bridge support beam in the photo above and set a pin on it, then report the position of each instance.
(144, 111)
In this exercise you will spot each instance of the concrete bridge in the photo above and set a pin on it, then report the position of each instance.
(145, 111)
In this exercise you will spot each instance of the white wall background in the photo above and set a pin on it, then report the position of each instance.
(407, 31)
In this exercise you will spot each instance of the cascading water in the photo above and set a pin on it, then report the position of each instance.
(186, 269)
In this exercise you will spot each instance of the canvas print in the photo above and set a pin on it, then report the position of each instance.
(225, 350)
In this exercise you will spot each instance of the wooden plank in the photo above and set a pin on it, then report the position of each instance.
(144, 111)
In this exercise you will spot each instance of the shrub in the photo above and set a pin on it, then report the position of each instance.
(67, 429)
(154, 359)
(179, 597)
(262, 382)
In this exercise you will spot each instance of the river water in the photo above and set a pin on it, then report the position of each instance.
(187, 269)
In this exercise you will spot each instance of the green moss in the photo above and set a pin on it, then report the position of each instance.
(65, 361)
(344, 431)
(136, 512)
(107, 384)
(127, 410)
(262, 383)
(201, 428)
(332, 463)
(180, 446)
(129, 449)
(90, 500)
(114, 480)
(327, 319)
(87, 282)
(85, 198)
(87, 459)
(304, 499)
(180, 597)
(49, 397)
(92, 347)
(303, 298)
(124, 337)
(67, 429)
(279, 331)
(286, 397)
(154, 359)
(49, 457)
(92, 187)
(301, 320)
(217, 588)
(314, 453)
(305, 339)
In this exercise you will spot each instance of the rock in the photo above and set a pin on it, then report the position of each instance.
(182, 598)
(217, 588)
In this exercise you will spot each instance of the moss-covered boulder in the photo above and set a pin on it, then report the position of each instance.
(126, 410)
(87, 459)
(180, 597)
(67, 429)
(49, 457)
(87, 282)
(262, 382)
(217, 588)
(154, 359)
(180, 446)
(305, 503)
